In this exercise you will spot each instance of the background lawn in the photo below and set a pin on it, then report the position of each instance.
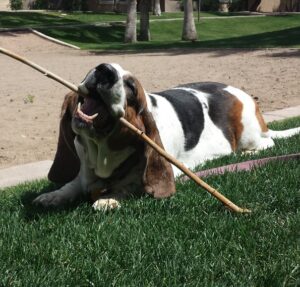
(217, 32)
(37, 19)
(256, 32)
(188, 240)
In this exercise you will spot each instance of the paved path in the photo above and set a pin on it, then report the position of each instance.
(37, 170)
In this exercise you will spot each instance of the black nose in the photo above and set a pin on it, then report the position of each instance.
(106, 75)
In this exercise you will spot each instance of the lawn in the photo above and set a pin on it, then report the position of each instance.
(38, 19)
(188, 240)
(248, 32)
(220, 32)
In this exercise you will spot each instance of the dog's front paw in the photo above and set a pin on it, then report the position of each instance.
(106, 204)
(49, 200)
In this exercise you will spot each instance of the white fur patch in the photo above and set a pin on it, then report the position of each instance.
(252, 137)
(115, 98)
(100, 158)
(211, 144)
(106, 204)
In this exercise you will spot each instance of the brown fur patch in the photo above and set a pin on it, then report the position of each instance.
(260, 119)
(70, 104)
(158, 178)
(66, 163)
(123, 136)
(235, 121)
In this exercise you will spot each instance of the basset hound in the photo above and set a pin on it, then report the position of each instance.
(193, 122)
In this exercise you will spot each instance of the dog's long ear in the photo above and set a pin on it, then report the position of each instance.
(158, 177)
(66, 163)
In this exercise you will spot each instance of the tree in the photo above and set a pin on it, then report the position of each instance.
(145, 6)
(156, 8)
(115, 6)
(130, 31)
(16, 4)
(189, 32)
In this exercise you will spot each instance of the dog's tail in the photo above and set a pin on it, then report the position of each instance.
(284, 133)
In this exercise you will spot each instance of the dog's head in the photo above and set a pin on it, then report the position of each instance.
(107, 93)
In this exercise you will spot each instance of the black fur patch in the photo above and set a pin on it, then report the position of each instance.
(190, 114)
(153, 101)
(220, 104)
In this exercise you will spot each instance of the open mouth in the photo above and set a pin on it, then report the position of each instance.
(84, 117)
(92, 114)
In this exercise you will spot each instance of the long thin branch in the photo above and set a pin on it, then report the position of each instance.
(141, 134)
(184, 169)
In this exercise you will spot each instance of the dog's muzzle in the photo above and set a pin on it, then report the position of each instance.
(102, 77)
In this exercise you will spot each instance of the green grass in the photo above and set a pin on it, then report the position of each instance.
(246, 32)
(188, 240)
(40, 19)
(262, 32)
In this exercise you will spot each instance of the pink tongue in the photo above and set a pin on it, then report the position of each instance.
(89, 106)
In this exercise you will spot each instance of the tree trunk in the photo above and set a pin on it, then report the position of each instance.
(130, 31)
(115, 6)
(144, 20)
(189, 32)
(156, 8)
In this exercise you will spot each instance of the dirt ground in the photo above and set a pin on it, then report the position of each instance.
(30, 102)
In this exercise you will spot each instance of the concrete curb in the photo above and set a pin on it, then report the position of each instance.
(282, 114)
(51, 39)
(26, 172)
(37, 170)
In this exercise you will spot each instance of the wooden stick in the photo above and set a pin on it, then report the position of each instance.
(184, 169)
(141, 134)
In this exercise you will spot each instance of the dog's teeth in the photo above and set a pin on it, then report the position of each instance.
(84, 116)
(93, 116)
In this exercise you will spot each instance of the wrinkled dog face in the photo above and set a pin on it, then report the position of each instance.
(105, 93)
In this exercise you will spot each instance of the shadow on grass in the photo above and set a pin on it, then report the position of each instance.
(110, 38)
(20, 19)
(89, 35)
(32, 212)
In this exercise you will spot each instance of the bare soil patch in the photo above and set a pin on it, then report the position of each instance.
(30, 103)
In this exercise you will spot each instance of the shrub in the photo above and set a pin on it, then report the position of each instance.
(15, 4)
(209, 5)
(39, 4)
(238, 5)
(213, 5)
(74, 5)
(69, 5)
(206, 5)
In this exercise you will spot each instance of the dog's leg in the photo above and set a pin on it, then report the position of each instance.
(109, 201)
(71, 191)
(105, 204)
(67, 194)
